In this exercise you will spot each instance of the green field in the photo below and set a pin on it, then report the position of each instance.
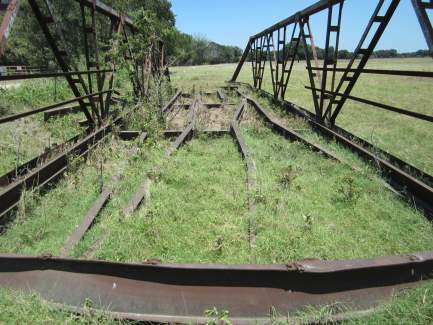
(405, 137)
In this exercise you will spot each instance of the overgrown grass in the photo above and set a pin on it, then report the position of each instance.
(192, 216)
(406, 137)
(20, 308)
(304, 200)
(308, 207)
(27, 138)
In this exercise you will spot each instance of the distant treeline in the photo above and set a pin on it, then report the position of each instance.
(345, 54)
(197, 50)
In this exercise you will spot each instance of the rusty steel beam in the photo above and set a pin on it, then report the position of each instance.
(421, 8)
(221, 95)
(251, 171)
(188, 133)
(15, 117)
(386, 107)
(42, 75)
(132, 135)
(87, 222)
(108, 11)
(287, 132)
(182, 293)
(404, 73)
(142, 194)
(127, 135)
(171, 102)
(307, 12)
(20, 171)
(56, 112)
(183, 137)
(50, 170)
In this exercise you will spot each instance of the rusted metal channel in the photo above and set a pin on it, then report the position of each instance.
(143, 193)
(412, 183)
(178, 293)
(221, 95)
(251, 177)
(50, 74)
(51, 169)
(287, 132)
(188, 133)
(132, 135)
(62, 111)
(170, 104)
(87, 222)
(15, 117)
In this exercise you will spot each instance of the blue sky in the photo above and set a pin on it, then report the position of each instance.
(231, 22)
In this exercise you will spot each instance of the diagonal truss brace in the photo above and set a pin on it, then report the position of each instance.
(62, 55)
(421, 8)
(363, 50)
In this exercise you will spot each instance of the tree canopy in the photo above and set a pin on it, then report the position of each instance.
(154, 18)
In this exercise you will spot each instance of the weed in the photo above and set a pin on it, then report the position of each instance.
(348, 190)
(218, 317)
(287, 176)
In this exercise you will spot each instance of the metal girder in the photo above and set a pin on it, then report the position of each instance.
(9, 77)
(15, 117)
(181, 293)
(107, 11)
(421, 8)
(307, 12)
(251, 172)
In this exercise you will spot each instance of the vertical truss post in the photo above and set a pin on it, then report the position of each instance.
(365, 52)
(330, 59)
(90, 37)
(259, 68)
(304, 36)
(62, 56)
(260, 61)
(271, 49)
(280, 56)
(253, 55)
(291, 54)
(115, 28)
(424, 20)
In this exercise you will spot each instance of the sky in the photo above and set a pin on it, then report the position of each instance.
(232, 22)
